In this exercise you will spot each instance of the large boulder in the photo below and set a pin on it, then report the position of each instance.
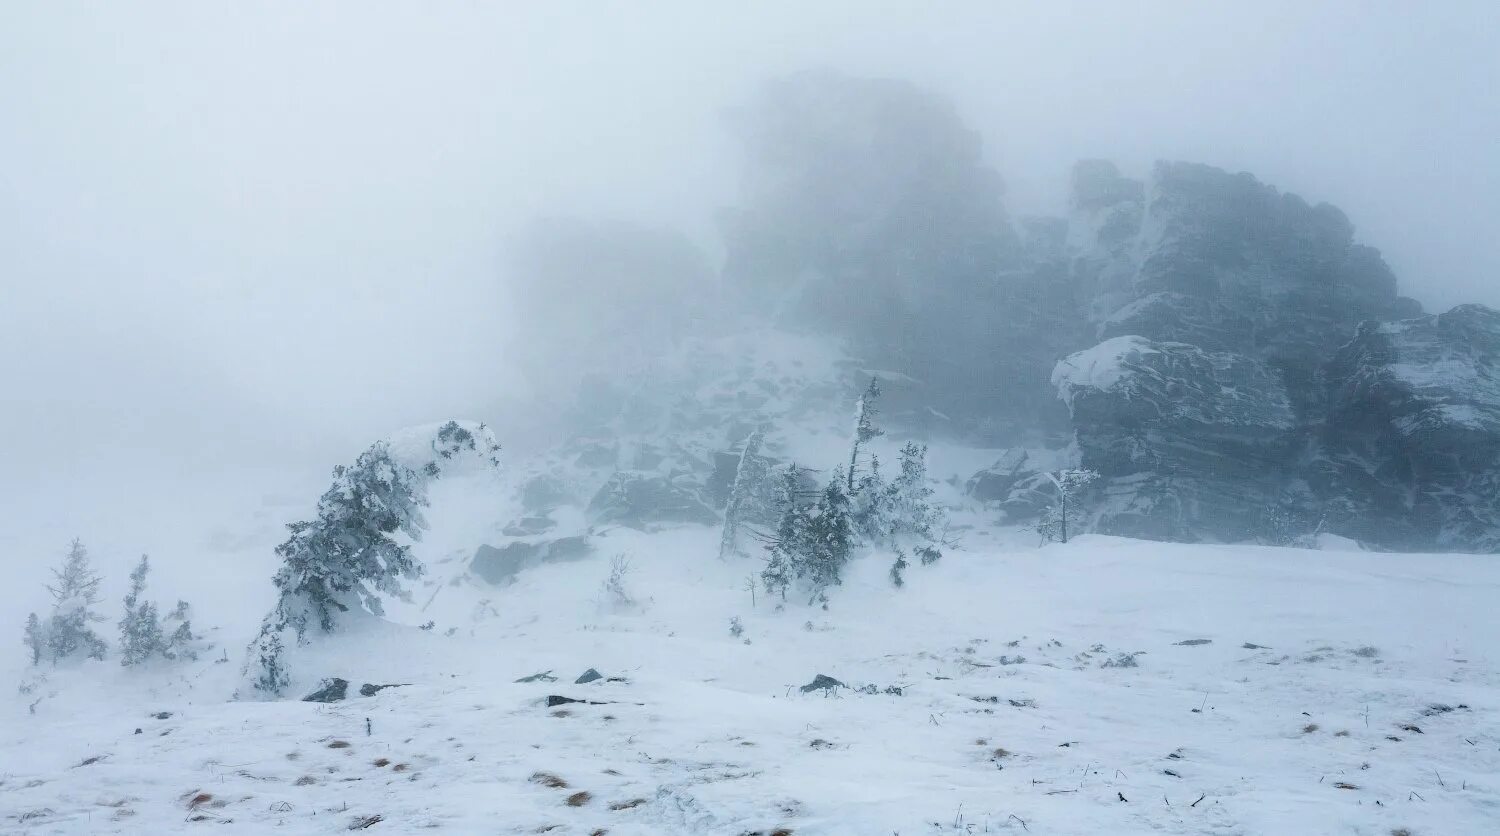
(646, 500)
(1015, 484)
(1192, 444)
(500, 565)
(1411, 452)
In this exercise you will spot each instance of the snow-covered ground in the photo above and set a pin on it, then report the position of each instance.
(1106, 686)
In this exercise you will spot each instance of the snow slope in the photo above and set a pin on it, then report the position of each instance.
(1018, 711)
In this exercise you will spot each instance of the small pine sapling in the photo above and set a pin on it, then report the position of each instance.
(182, 642)
(36, 639)
(140, 630)
(898, 578)
(1054, 524)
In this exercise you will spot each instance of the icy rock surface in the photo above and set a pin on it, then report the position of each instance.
(1194, 441)
(1412, 446)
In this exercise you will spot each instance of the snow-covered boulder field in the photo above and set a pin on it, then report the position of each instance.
(1106, 686)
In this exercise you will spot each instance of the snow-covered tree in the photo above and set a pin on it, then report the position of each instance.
(898, 570)
(829, 537)
(352, 553)
(786, 546)
(181, 641)
(864, 429)
(36, 639)
(748, 476)
(870, 506)
(140, 628)
(913, 518)
(76, 591)
(1054, 523)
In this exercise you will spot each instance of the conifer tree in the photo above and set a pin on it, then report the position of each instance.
(346, 558)
(898, 570)
(864, 429)
(1054, 524)
(182, 642)
(913, 517)
(747, 479)
(69, 631)
(830, 537)
(36, 639)
(140, 629)
(787, 546)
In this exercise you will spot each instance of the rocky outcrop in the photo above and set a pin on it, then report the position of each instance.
(501, 565)
(643, 500)
(1236, 394)
(1015, 485)
(1226, 263)
(1411, 449)
(1192, 441)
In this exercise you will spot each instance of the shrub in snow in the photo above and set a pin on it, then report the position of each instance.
(615, 592)
(350, 555)
(68, 633)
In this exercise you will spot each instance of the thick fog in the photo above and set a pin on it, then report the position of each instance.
(237, 243)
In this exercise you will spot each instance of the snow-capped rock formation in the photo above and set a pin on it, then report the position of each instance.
(1411, 453)
(1193, 441)
(1236, 394)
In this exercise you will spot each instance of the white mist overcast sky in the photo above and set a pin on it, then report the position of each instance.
(239, 233)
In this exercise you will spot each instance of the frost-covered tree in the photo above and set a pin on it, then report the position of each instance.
(140, 628)
(181, 641)
(76, 591)
(898, 570)
(829, 538)
(865, 430)
(347, 557)
(36, 639)
(352, 553)
(914, 518)
(870, 506)
(748, 476)
(785, 547)
(1054, 523)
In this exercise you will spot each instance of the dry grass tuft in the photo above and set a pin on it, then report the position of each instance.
(339, 744)
(627, 805)
(305, 781)
(382, 762)
(1310, 728)
(578, 799)
(1000, 752)
(198, 799)
(547, 779)
(1341, 733)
